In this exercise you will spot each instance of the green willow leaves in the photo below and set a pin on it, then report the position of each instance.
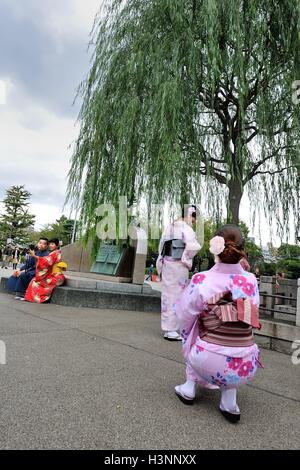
(191, 100)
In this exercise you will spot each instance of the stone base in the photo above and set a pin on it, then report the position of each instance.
(279, 345)
(81, 283)
(288, 313)
(3, 282)
(68, 296)
(277, 336)
(100, 277)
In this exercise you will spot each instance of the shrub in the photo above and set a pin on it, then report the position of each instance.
(291, 267)
(269, 269)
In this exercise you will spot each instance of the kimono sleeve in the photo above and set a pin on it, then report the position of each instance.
(188, 307)
(159, 261)
(255, 298)
(191, 246)
(49, 260)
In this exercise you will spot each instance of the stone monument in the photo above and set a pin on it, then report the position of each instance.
(114, 260)
(114, 263)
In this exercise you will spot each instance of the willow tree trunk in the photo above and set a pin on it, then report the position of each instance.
(234, 201)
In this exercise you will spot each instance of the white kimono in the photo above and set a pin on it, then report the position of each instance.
(175, 273)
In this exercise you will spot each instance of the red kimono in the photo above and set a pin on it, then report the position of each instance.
(42, 285)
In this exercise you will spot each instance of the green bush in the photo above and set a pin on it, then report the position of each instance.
(291, 267)
(269, 269)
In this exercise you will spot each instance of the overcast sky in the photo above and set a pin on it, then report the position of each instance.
(43, 59)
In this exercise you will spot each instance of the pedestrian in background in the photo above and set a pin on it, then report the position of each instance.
(16, 258)
(150, 272)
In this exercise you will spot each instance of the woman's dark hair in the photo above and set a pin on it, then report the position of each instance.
(185, 211)
(54, 240)
(234, 244)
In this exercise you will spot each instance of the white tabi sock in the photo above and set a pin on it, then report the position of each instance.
(228, 400)
(188, 388)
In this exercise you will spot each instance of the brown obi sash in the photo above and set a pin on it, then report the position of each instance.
(228, 322)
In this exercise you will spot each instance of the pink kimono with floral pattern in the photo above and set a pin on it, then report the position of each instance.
(225, 366)
(175, 273)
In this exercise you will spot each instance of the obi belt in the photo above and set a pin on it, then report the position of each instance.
(229, 323)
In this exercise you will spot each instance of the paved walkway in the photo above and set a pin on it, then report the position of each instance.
(155, 285)
(86, 379)
(6, 272)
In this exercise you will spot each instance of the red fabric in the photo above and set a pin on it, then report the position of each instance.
(41, 287)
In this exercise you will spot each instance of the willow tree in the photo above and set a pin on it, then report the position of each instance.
(191, 98)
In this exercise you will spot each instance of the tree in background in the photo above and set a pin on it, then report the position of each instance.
(62, 229)
(16, 222)
(269, 269)
(204, 256)
(254, 252)
(289, 260)
(286, 251)
(291, 267)
(191, 97)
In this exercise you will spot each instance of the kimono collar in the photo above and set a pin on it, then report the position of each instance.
(225, 268)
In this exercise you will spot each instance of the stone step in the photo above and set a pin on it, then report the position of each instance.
(83, 283)
(81, 298)
(106, 286)
(85, 292)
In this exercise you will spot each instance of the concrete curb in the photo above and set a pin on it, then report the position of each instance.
(72, 297)
(122, 297)
(106, 286)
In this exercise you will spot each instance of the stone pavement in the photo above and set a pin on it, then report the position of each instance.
(104, 379)
(155, 285)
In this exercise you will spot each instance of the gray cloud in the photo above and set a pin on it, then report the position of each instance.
(45, 66)
(45, 186)
(44, 58)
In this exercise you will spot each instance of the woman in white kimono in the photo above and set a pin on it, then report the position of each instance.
(178, 246)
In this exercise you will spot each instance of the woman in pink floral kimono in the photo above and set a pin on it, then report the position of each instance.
(178, 246)
(217, 313)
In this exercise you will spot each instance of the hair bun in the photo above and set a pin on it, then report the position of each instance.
(234, 241)
(232, 252)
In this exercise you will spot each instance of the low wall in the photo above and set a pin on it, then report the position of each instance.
(286, 288)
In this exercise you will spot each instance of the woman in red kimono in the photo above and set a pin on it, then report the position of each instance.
(48, 274)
